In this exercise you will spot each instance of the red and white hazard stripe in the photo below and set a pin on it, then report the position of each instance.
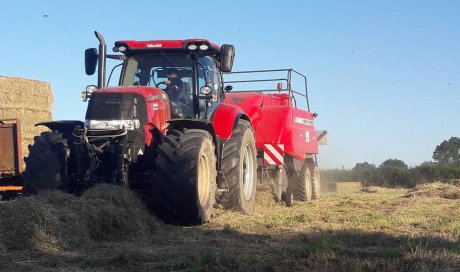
(274, 154)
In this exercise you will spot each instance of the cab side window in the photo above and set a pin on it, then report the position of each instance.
(207, 73)
(208, 76)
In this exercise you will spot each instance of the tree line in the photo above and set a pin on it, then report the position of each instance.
(396, 173)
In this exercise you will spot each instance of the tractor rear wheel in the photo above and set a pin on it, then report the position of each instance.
(46, 165)
(315, 182)
(303, 183)
(239, 165)
(184, 180)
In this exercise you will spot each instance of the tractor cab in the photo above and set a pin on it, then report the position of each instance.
(191, 84)
(188, 71)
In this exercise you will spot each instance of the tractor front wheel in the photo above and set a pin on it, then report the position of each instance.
(184, 180)
(46, 165)
(239, 165)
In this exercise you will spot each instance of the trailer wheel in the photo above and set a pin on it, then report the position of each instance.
(303, 184)
(315, 182)
(46, 165)
(184, 180)
(239, 165)
(289, 197)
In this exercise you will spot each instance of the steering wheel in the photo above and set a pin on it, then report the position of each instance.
(161, 83)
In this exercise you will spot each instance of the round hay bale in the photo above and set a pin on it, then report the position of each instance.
(30, 101)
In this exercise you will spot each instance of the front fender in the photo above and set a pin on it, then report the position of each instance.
(65, 127)
(226, 118)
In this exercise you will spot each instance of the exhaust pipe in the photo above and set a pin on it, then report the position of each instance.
(102, 59)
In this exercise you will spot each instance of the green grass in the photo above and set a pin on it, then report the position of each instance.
(325, 244)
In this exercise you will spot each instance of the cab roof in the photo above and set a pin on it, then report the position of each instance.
(173, 45)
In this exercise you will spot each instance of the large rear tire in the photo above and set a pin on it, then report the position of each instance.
(239, 165)
(46, 165)
(184, 181)
(303, 183)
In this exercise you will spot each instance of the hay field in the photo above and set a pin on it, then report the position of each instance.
(107, 229)
(344, 187)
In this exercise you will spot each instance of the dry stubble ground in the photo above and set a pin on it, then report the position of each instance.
(109, 230)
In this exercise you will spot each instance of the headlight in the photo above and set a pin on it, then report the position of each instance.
(204, 47)
(113, 124)
(192, 47)
(215, 97)
(205, 90)
(90, 89)
(120, 48)
(87, 93)
(84, 96)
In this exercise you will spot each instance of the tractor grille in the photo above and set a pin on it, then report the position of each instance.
(116, 106)
(121, 106)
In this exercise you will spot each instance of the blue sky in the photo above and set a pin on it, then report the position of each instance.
(384, 76)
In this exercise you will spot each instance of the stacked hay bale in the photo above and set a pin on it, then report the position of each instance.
(30, 101)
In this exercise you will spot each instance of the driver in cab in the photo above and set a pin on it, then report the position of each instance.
(174, 85)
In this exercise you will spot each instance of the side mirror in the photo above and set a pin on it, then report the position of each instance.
(91, 57)
(227, 54)
(228, 88)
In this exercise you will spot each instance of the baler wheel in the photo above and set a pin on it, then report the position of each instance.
(46, 165)
(289, 197)
(239, 165)
(303, 183)
(315, 182)
(183, 185)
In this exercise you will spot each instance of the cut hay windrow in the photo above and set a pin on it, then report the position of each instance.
(30, 101)
(436, 189)
(55, 220)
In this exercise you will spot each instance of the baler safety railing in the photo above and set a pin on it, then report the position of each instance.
(287, 79)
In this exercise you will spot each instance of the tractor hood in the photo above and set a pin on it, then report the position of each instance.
(131, 106)
(149, 93)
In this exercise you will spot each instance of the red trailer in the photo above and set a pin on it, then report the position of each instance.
(10, 158)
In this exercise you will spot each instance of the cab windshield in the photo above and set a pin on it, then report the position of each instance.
(151, 69)
(173, 73)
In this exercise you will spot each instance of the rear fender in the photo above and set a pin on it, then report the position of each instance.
(204, 125)
(226, 118)
(193, 124)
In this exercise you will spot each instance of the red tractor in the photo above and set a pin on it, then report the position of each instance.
(173, 131)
